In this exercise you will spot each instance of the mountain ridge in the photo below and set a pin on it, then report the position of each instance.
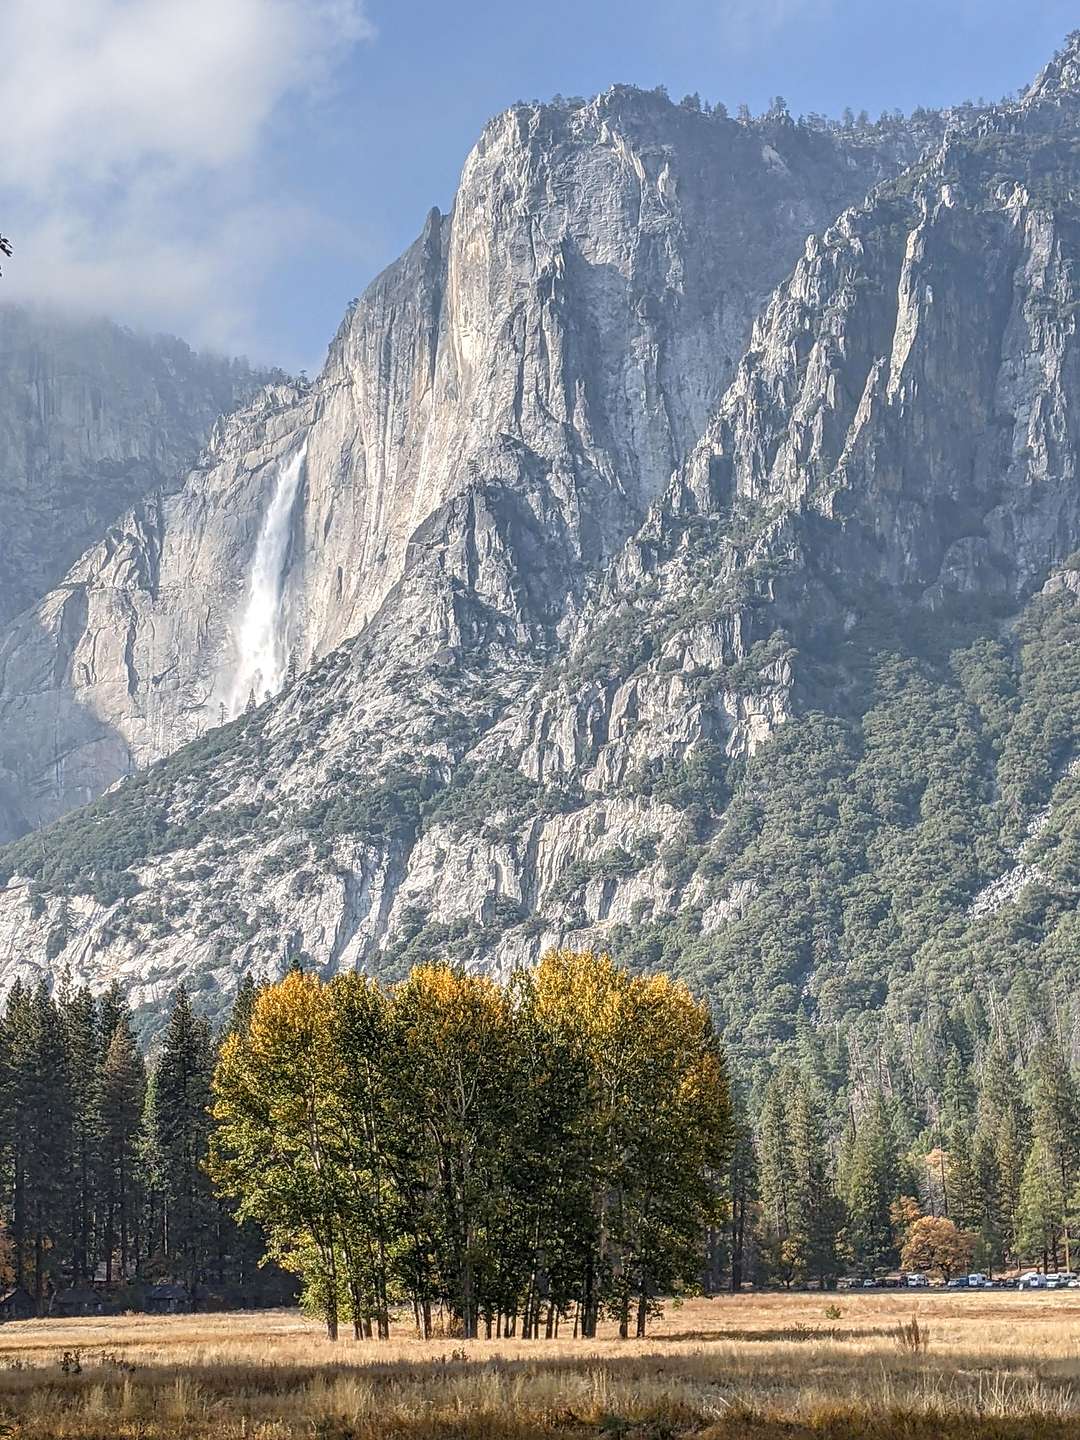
(776, 745)
(555, 344)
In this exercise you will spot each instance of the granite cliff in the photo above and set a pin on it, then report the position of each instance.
(607, 612)
(514, 392)
(92, 418)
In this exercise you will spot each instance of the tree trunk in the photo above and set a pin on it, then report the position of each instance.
(331, 1292)
(588, 1296)
(39, 1266)
(738, 1221)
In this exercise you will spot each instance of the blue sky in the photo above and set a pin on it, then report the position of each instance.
(236, 170)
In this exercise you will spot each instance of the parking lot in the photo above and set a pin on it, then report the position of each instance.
(976, 1282)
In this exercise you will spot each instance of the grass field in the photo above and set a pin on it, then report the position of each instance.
(766, 1367)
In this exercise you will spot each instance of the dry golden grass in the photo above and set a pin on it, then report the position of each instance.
(996, 1367)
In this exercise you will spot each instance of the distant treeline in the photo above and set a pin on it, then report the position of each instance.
(102, 1157)
(889, 122)
(959, 1149)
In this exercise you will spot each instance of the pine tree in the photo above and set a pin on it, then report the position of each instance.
(151, 1173)
(123, 1096)
(816, 1213)
(1000, 1147)
(1055, 1117)
(743, 1192)
(776, 1178)
(79, 1019)
(112, 1008)
(989, 1216)
(872, 1181)
(963, 1189)
(1043, 1206)
(180, 1129)
(41, 1137)
(247, 992)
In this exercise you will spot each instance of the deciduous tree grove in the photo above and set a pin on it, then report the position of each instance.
(518, 1157)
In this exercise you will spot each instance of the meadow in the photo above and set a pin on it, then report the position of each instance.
(771, 1367)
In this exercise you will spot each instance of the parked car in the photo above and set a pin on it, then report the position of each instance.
(1032, 1281)
(917, 1282)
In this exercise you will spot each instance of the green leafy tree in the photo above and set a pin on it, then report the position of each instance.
(453, 1035)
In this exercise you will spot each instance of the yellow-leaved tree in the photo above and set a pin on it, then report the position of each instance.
(277, 1148)
(507, 1154)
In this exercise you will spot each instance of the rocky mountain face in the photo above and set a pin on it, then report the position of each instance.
(761, 669)
(509, 397)
(92, 418)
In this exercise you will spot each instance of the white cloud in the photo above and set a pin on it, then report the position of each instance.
(132, 132)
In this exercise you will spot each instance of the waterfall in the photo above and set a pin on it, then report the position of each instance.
(261, 638)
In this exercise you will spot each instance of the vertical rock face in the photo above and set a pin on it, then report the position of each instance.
(778, 720)
(501, 407)
(119, 663)
(92, 418)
